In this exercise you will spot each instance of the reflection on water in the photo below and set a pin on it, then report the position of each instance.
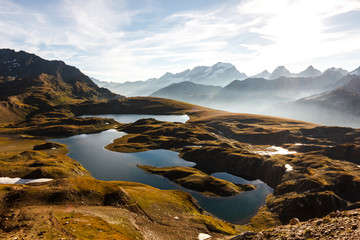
(128, 118)
(89, 150)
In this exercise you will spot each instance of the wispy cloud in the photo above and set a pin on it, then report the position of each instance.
(118, 40)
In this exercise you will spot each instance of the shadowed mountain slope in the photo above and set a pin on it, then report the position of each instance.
(28, 82)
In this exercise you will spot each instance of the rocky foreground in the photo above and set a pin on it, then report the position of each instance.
(337, 225)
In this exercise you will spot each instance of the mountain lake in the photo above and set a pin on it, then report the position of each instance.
(89, 150)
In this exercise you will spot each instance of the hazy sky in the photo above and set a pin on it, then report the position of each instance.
(125, 40)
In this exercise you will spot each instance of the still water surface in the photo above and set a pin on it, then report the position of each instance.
(128, 118)
(88, 149)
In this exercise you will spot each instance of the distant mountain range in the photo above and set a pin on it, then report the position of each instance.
(219, 74)
(309, 95)
(251, 94)
(332, 97)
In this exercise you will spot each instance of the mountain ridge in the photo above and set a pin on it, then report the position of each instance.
(276, 97)
(28, 83)
(219, 74)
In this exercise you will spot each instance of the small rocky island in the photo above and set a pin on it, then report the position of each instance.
(197, 180)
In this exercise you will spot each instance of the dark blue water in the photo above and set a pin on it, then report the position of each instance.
(88, 149)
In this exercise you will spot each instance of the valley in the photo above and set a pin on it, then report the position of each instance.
(317, 173)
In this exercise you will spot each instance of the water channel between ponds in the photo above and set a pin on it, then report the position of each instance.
(88, 149)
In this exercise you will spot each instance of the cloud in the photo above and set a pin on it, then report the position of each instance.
(298, 30)
(119, 41)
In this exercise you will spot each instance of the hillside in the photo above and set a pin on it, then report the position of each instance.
(28, 82)
(340, 104)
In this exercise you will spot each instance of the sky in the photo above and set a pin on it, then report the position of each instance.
(128, 40)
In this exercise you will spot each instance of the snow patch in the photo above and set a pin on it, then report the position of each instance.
(203, 236)
(176, 217)
(273, 150)
(7, 180)
(288, 168)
